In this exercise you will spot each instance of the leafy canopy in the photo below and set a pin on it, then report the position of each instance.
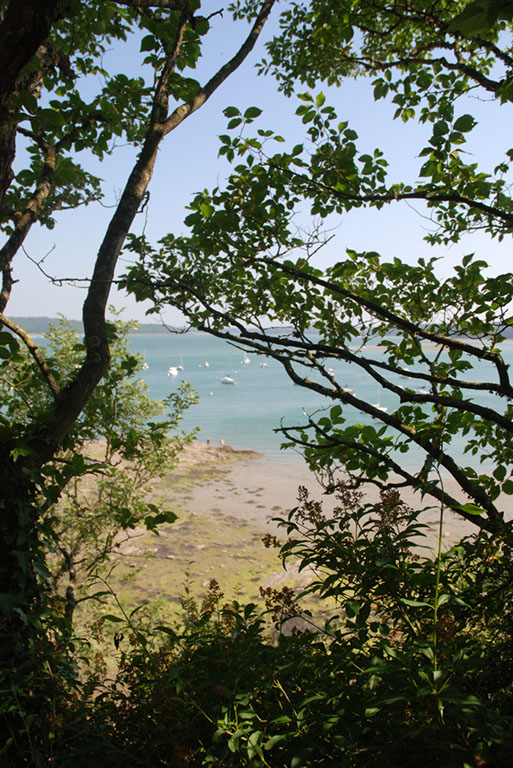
(250, 261)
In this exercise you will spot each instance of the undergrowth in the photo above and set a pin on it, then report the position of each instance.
(413, 668)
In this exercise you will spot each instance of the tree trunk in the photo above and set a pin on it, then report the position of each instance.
(25, 26)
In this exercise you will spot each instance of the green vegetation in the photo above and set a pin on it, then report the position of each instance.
(413, 669)
(60, 112)
(123, 443)
(250, 258)
(415, 666)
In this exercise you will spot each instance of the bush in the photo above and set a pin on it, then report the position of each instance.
(413, 668)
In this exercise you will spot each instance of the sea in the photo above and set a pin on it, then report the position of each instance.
(248, 413)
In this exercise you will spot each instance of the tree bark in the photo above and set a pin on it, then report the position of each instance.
(25, 26)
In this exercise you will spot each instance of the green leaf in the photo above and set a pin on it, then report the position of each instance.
(480, 16)
(415, 603)
(153, 521)
(301, 758)
(507, 487)
(207, 210)
(464, 123)
(500, 472)
(472, 509)
(202, 26)
(274, 740)
(148, 43)
(252, 112)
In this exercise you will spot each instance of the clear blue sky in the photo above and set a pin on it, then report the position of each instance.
(188, 162)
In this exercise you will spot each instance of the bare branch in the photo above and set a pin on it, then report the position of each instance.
(31, 212)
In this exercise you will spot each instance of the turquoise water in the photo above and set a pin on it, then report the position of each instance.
(246, 414)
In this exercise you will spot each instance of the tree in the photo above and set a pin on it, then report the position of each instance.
(51, 53)
(248, 262)
(122, 443)
(48, 50)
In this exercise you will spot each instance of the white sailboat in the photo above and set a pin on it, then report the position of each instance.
(378, 405)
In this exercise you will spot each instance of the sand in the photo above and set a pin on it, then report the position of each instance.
(225, 501)
(253, 488)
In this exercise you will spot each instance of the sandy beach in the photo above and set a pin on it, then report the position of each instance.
(225, 501)
(253, 488)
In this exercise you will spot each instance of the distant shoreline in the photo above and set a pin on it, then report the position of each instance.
(40, 325)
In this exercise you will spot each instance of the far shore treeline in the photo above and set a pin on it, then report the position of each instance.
(40, 325)
(34, 325)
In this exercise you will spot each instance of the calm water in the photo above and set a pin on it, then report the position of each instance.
(246, 414)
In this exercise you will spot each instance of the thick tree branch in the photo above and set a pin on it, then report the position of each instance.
(73, 398)
(7, 284)
(24, 28)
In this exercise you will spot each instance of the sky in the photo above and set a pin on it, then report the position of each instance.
(188, 162)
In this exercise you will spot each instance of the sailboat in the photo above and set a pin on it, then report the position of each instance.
(378, 405)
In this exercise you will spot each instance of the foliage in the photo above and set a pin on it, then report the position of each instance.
(250, 261)
(121, 444)
(414, 666)
(61, 112)
(126, 442)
